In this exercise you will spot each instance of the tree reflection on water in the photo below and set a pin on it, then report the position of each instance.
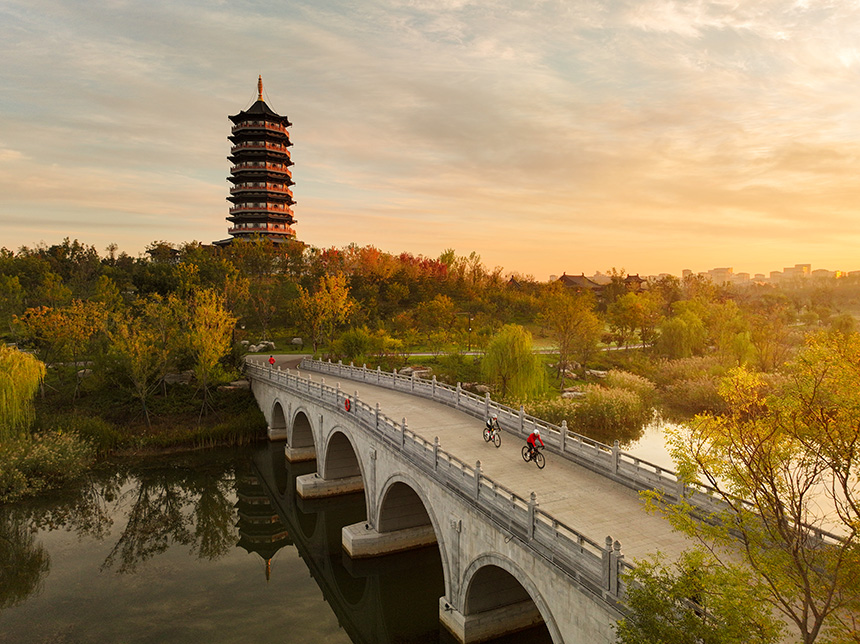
(23, 562)
(186, 503)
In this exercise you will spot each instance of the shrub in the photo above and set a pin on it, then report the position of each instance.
(694, 396)
(553, 410)
(641, 386)
(102, 435)
(671, 371)
(607, 415)
(41, 462)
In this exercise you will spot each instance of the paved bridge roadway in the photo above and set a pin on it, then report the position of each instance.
(575, 495)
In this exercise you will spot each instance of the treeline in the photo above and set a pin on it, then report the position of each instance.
(189, 307)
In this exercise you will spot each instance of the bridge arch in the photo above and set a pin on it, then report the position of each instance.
(495, 583)
(278, 419)
(340, 457)
(398, 496)
(301, 433)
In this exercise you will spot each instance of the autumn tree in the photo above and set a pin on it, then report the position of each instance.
(789, 448)
(136, 350)
(511, 364)
(573, 324)
(209, 331)
(326, 309)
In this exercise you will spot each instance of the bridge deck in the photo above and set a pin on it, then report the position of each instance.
(584, 500)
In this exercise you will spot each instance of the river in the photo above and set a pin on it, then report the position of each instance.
(190, 547)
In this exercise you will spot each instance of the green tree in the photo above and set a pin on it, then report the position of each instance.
(695, 601)
(21, 375)
(511, 364)
(790, 449)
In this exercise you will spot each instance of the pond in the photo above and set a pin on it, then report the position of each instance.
(190, 547)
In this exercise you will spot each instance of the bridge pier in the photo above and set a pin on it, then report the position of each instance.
(488, 624)
(299, 454)
(312, 486)
(361, 540)
(276, 433)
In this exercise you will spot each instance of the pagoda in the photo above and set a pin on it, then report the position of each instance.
(260, 195)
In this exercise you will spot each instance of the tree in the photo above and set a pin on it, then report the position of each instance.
(21, 375)
(329, 307)
(511, 364)
(694, 601)
(573, 325)
(791, 449)
(137, 349)
(210, 329)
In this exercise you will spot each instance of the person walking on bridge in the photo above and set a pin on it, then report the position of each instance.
(271, 361)
(530, 441)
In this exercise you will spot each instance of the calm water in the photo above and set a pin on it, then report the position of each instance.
(191, 548)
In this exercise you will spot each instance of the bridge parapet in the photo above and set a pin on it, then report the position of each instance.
(610, 461)
(597, 567)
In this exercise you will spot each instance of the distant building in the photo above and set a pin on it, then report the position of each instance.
(260, 193)
(579, 282)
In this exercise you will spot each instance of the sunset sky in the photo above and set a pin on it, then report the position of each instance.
(547, 136)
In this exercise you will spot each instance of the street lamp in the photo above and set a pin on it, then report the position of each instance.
(470, 329)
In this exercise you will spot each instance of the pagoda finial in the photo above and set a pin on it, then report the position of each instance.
(260, 87)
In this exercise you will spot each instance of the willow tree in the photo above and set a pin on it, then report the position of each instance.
(20, 377)
(511, 364)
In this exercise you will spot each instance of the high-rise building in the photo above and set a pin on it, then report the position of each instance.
(261, 197)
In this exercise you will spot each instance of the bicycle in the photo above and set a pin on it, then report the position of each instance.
(493, 435)
(535, 456)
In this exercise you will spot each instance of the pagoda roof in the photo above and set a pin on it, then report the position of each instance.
(259, 108)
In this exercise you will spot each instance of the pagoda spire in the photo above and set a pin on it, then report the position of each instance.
(260, 87)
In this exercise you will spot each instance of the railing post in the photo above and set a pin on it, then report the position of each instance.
(376, 417)
(522, 420)
(607, 551)
(458, 395)
(532, 507)
(616, 455)
(615, 559)
(477, 478)
(435, 453)
(403, 433)
(378, 375)
(487, 405)
(412, 383)
(563, 435)
(434, 387)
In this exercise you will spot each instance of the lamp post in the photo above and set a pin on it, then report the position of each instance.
(469, 348)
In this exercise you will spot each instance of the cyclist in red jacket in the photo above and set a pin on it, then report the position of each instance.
(530, 441)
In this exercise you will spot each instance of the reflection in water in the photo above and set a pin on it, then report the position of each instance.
(23, 562)
(109, 560)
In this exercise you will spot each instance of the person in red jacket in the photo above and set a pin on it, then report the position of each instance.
(271, 361)
(530, 441)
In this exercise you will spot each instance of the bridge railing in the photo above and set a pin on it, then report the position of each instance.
(608, 460)
(597, 567)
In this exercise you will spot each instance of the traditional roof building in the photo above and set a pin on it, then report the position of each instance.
(580, 282)
(260, 193)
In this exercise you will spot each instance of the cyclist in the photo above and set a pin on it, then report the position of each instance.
(530, 441)
(493, 423)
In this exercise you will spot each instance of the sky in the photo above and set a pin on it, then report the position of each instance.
(546, 136)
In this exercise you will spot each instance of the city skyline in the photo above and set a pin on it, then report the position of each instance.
(646, 136)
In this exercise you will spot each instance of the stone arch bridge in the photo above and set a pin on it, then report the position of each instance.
(508, 561)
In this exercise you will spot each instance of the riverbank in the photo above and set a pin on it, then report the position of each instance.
(70, 436)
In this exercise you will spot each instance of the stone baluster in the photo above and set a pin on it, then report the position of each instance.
(435, 453)
(532, 511)
(477, 478)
